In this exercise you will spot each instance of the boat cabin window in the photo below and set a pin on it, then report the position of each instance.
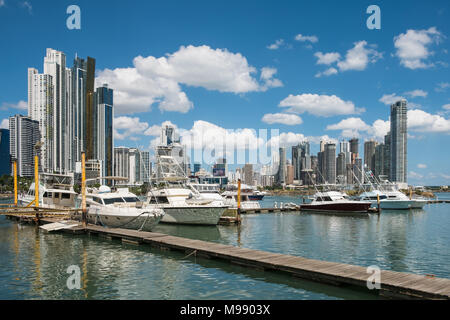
(156, 200)
(98, 200)
(324, 198)
(65, 195)
(131, 199)
(47, 195)
(112, 200)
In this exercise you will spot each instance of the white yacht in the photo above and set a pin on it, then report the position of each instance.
(120, 209)
(392, 202)
(183, 206)
(231, 199)
(55, 197)
(400, 196)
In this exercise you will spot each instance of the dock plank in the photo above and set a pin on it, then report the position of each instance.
(392, 282)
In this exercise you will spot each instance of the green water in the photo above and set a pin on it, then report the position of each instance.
(33, 264)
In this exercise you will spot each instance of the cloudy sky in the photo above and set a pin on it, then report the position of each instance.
(308, 69)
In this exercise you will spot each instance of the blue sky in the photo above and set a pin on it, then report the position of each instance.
(307, 68)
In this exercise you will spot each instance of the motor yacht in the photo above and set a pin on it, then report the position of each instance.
(120, 209)
(335, 202)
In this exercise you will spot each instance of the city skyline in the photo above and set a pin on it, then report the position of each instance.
(296, 75)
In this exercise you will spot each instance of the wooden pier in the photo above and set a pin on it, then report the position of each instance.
(396, 285)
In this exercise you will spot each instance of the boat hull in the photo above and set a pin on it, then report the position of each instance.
(142, 220)
(394, 204)
(337, 208)
(195, 215)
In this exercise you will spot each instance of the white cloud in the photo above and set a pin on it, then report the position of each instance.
(155, 130)
(422, 121)
(268, 80)
(389, 99)
(414, 175)
(446, 107)
(417, 93)
(349, 123)
(21, 105)
(380, 128)
(319, 105)
(274, 46)
(359, 57)
(327, 58)
(27, 5)
(302, 38)
(2, 3)
(442, 86)
(283, 118)
(4, 124)
(413, 47)
(421, 166)
(128, 127)
(351, 127)
(328, 72)
(154, 80)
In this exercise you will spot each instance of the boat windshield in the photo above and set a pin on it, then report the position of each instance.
(112, 200)
(131, 199)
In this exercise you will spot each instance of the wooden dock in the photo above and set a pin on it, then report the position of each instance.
(393, 284)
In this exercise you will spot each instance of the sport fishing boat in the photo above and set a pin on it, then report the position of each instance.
(182, 203)
(120, 209)
(55, 192)
(183, 206)
(389, 201)
(231, 199)
(334, 202)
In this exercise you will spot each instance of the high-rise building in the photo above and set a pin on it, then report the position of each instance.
(122, 163)
(399, 141)
(330, 163)
(23, 140)
(197, 167)
(281, 175)
(103, 133)
(387, 156)
(146, 166)
(321, 167)
(289, 174)
(354, 149)
(220, 168)
(248, 174)
(369, 154)
(5, 159)
(300, 158)
(55, 66)
(341, 174)
(40, 108)
(379, 160)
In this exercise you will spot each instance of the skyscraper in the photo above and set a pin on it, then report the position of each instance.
(40, 108)
(354, 149)
(330, 163)
(103, 133)
(122, 162)
(369, 154)
(24, 135)
(281, 175)
(5, 158)
(341, 168)
(248, 174)
(55, 66)
(399, 141)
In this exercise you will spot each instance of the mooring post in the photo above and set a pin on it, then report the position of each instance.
(239, 201)
(378, 204)
(83, 189)
(36, 187)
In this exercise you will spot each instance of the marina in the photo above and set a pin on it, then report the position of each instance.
(210, 245)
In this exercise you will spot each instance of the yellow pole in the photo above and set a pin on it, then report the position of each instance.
(378, 204)
(239, 194)
(15, 181)
(410, 193)
(36, 181)
(83, 188)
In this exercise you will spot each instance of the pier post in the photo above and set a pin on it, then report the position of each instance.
(15, 181)
(239, 201)
(378, 204)
(83, 189)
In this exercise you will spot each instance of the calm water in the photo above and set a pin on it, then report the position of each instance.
(33, 264)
